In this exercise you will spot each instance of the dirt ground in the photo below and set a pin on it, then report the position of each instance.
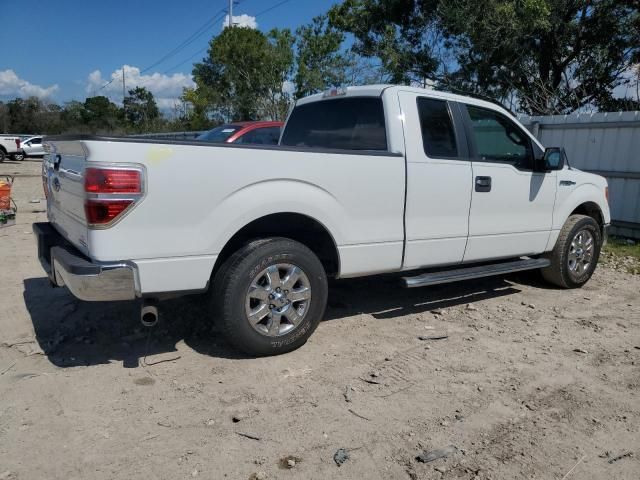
(530, 381)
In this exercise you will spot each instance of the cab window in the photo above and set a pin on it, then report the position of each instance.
(355, 123)
(438, 135)
(498, 139)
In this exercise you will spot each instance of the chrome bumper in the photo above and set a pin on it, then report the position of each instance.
(87, 280)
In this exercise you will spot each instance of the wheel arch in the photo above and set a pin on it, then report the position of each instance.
(297, 226)
(590, 209)
(587, 199)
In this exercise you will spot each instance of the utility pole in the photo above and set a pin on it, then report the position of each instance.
(124, 89)
(230, 13)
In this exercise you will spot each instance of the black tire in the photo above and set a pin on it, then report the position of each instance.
(560, 272)
(19, 157)
(231, 286)
(2, 155)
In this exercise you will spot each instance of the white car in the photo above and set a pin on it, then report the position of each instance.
(9, 146)
(367, 180)
(31, 147)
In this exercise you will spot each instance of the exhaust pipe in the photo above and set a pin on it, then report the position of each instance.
(149, 313)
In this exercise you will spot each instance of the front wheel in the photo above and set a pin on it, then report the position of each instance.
(270, 296)
(2, 155)
(18, 157)
(576, 253)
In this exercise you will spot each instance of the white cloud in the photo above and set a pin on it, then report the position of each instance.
(165, 88)
(288, 87)
(14, 86)
(243, 20)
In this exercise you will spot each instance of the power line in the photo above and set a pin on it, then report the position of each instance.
(273, 7)
(188, 41)
(185, 61)
(196, 35)
(192, 38)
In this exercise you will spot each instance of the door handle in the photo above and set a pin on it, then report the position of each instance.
(483, 184)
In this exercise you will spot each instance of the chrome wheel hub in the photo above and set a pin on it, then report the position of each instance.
(278, 299)
(581, 252)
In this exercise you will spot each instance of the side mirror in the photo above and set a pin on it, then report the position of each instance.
(553, 159)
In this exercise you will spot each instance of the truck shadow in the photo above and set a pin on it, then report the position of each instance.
(73, 333)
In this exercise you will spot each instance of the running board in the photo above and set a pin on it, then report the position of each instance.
(470, 273)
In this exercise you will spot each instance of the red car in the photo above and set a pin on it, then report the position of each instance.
(251, 133)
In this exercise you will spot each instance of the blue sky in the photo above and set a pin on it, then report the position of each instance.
(67, 49)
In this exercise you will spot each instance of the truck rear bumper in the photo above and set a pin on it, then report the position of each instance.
(87, 280)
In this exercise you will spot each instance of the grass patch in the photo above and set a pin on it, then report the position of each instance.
(620, 254)
(619, 247)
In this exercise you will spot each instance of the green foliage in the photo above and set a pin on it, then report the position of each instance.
(242, 77)
(402, 34)
(556, 56)
(321, 63)
(550, 56)
(99, 114)
(31, 114)
(140, 109)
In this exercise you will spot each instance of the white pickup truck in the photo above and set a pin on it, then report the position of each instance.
(366, 180)
(9, 146)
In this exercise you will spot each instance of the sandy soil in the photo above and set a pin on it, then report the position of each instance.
(531, 382)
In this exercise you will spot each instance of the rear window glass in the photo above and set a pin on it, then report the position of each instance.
(346, 123)
(219, 134)
(438, 135)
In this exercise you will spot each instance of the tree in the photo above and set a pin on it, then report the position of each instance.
(320, 61)
(557, 56)
(404, 35)
(243, 73)
(4, 118)
(140, 109)
(275, 104)
(550, 56)
(100, 114)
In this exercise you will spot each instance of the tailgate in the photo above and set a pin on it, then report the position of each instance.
(63, 174)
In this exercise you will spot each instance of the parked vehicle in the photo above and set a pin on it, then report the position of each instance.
(367, 180)
(31, 147)
(9, 146)
(248, 133)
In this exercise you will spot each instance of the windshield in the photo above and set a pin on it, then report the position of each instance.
(219, 134)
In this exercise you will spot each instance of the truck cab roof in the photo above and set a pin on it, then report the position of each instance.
(380, 89)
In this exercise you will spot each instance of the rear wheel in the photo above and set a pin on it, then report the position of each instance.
(576, 253)
(270, 296)
(2, 155)
(18, 156)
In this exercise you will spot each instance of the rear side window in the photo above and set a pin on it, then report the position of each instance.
(438, 135)
(347, 123)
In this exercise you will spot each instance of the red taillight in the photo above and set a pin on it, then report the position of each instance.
(109, 192)
(106, 180)
(17, 143)
(100, 212)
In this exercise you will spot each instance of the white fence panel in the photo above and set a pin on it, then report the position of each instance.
(604, 143)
